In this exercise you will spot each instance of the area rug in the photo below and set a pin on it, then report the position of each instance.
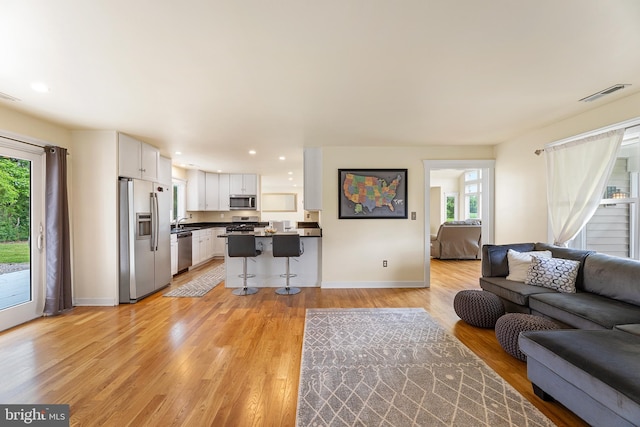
(399, 367)
(199, 286)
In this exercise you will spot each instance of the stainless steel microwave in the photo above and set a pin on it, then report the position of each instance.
(242, 202)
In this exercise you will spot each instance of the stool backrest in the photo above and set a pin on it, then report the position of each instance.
(286, 245)
(242, 245)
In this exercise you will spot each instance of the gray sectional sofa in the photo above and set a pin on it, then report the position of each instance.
(592, 366)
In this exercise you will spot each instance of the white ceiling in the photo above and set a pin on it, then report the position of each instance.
(214, 79)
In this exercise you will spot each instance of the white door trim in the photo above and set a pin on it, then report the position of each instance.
(488, 180)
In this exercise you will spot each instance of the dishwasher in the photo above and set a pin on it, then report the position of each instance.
(184, 250)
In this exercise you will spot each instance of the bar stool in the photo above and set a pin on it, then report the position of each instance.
(287, 245)
(243, 245)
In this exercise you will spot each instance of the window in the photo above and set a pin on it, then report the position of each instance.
(451, 206)
(178, 208)
(613, 229)
(472, 193)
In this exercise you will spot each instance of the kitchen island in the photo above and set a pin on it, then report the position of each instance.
(268, 268)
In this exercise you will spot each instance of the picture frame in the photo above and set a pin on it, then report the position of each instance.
(372, 194)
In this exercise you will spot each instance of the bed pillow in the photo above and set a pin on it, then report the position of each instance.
(519, 263)
(554, 273)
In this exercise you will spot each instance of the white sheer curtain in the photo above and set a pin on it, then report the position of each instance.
(577, 173)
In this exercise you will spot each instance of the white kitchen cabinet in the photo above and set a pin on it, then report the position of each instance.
(313, 179)
(202, 245)
(223, 191)
(243, 183)
(209, 244)
(196, 184)
(212, 199)
(174, 254)
(219, 246)
(137, 159)
(195, 247)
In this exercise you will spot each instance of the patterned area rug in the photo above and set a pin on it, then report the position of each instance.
(200, 285)
(399, 367)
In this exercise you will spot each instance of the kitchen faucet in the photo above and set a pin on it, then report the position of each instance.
(178, 221)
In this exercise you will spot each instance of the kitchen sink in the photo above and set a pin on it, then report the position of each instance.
(184, 229)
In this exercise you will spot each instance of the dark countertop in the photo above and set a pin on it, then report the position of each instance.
(302, 232)
(191, 226)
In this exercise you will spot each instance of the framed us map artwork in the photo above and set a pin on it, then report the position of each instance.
(372, 193)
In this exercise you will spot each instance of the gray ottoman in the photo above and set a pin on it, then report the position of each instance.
(509, 326)
(478, 308)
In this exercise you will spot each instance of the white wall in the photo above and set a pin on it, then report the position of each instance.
(353, 249)
(95, 211)
(521, 177)
(34, 127)
(292, 217)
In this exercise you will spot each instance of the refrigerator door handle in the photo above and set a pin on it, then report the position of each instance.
(154, 222)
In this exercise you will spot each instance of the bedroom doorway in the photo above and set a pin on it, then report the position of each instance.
(475, 198)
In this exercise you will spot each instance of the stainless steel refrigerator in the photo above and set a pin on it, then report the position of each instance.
(145, 248)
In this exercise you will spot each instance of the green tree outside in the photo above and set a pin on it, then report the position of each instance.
(15, 194)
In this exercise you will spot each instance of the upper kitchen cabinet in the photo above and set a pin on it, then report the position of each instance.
(207, 191)
(243, 184)
(196, 182)
(137, 159)
(211, 190)
(313, 179)
(223, 191)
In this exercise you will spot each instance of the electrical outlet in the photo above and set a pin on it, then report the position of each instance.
(384, 263)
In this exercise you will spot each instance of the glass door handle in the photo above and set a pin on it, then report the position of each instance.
(40, 237)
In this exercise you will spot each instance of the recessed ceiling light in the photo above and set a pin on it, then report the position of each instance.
(290, 173)
(252, 152)
(40, 87)
(219, 170)
(282, 157)
(178, 153)
(290, 179)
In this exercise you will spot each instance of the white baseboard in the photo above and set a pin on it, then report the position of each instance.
(373, 285)
(102, 302)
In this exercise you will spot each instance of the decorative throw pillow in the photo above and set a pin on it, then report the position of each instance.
(519, 263)
(555, 273)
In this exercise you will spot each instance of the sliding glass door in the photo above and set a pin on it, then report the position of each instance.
(21, 223)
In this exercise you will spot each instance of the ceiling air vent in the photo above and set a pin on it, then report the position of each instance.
(8, 97)
(604, 92)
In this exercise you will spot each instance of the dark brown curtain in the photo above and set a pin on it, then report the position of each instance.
(57, 239)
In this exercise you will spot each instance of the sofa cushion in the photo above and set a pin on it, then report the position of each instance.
(602, 364)
(633, 328)
(494, 258)
(555, 273)
(519, 263)
(584, 310)
(516, 292)
(613, 277)
(568, 253)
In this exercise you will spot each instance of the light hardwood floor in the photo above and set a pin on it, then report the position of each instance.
(220, 360)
